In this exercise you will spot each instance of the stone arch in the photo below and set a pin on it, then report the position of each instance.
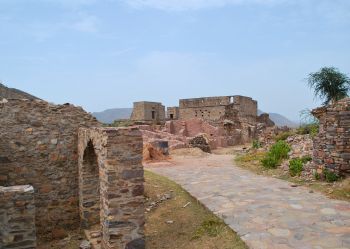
(89, 196)
(111, 187)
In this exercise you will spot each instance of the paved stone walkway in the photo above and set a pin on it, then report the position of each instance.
(266, 212)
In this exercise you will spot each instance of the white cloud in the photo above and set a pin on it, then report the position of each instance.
(179, 5)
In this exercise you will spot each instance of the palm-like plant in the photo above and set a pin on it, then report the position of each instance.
(329, 84)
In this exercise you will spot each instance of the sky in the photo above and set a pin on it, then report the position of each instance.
(102, 54)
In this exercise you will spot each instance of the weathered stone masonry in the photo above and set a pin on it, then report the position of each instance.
(111, 185)
(17, 217)
(39, 147)
(332, 145)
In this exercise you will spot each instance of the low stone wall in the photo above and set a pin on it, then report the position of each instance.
(17, 217)
(111, 186)
(332, 145)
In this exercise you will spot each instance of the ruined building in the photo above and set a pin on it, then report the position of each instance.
(173, 113)
(149, 112)
(219, 108)
(60, 170)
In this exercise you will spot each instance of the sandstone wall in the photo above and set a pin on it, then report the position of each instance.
(173, 113)
(209, 113)
(332, 145)
(111, 187)
(148, 111)
(38, 146)
(216, 108)
(17, 217)
(204, 102)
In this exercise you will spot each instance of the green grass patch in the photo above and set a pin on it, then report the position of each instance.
(296, 167)
(276, 154)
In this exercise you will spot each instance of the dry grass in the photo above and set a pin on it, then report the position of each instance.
(251, 161)
(193, 227)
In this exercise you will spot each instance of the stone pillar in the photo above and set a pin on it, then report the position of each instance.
(117, 170)
(332, 145)
(17, 217)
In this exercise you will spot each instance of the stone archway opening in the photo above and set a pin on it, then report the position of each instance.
(90, 194)
(111, 187)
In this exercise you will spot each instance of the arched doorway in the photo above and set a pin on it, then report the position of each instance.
(90, 204)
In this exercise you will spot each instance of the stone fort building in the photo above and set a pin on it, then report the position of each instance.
(219, 108)
(148, 112)
(211, 109)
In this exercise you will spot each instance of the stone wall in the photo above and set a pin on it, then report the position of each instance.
(17, 217)
(148, 111)
(332, 145)
(39, 147)
(247, 108)
(173, 113)
(111, 187)
(215, 108)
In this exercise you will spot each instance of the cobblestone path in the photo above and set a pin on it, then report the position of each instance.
(267, 213)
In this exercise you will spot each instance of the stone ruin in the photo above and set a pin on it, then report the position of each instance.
(332, 145)
(148, 112)
(225, 121)
(58, 173)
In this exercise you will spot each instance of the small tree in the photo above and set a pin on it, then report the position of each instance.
(329, 84)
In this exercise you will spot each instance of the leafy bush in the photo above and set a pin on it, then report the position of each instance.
(256, 144)
(276, 154)
(296, 167)
(330, 176)
(283, 136)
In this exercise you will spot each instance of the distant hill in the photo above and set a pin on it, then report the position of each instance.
(280, 120)
(108, 116)
(13, 93)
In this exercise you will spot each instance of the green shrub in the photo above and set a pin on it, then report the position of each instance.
(317, 176)
(280, 150)
(256, 144)
(311, 129)
(330, 176)
(270, 161)
(296, 167)
(276, 154)
(283, 136)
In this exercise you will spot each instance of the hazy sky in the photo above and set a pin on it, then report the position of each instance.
(108, 53)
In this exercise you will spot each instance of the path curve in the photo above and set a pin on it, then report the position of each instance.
(266, 212)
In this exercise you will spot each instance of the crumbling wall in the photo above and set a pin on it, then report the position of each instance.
(111, 187)
(247, 108)
(17, 217)
(38, 146)
(332, 145)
